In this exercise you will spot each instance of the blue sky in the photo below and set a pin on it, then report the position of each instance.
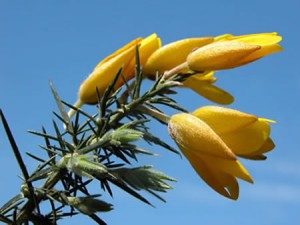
(62, 40)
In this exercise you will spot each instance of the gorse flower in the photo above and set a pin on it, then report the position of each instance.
(245, 134)
(175, 54)
(202, 56)
(230, 51)
(106, 70)
(211, 137)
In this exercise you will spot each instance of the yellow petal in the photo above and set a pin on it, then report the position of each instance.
(204, 76)
(172, 55)
(263, 39)
(231, 185)
(258, 155)
(249, 139)
(267, 146)
(146, 48)
(223, 183)
(223, 37)
(266, 50)
(131, 44)
(193, 134)
(267, 42)
(232, 167)
(224, 120)
(208, 175)
(209, 91)
(103, 75)
(220, 55)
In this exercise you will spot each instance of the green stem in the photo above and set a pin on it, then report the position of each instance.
(77, 104)
(28, 208)
(176, 70)
(154, 113)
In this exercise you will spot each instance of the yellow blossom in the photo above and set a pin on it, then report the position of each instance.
(245, 134)
(105, 71)
(230, 51)
(172, 55)
(211, 158)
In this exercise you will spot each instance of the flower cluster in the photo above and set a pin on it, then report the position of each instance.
(199, 56)
(211, 137)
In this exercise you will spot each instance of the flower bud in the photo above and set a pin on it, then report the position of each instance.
(232, 51)
(144, 178)
(220, 55)
(25, 190)
(89, 205)
(125, 135)
(82, 165)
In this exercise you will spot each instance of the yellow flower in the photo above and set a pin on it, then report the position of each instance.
(211, 158)
(245, 134)
(106, 70)
(172, 55)
(230, 51)
(211, 138)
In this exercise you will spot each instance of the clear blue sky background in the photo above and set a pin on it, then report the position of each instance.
(62, 40)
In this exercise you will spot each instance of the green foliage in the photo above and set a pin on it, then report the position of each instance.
(89, 148)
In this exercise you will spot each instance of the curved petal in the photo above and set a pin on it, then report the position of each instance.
(220, 55)
(204, 76)
(266, 50)
(258, 155)
(249, 139)
(259, 38)
(222, 182)
(209, 91)
(131, 44)
(102, 76)
(223, 37)
(193, 134)
(267, 41)
(172, 55)
(263, 39)
(224, 120)
(267, 146)
(211, 177)
(232, 167)
(147, 46)
(230, 183)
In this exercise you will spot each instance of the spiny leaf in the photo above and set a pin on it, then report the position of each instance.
(153, 139)
(107, 92)
(138, 74)
(61, 108)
